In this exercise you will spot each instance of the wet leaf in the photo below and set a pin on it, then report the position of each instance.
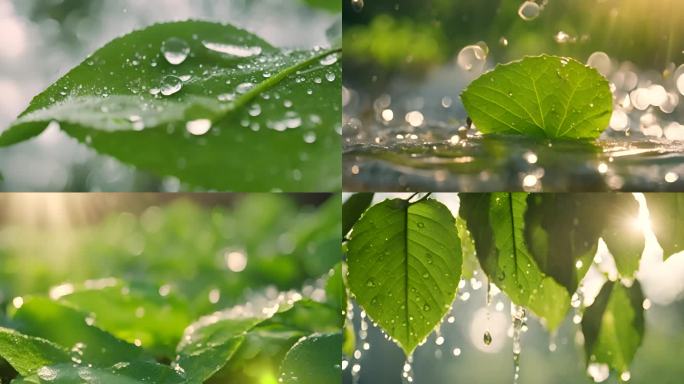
(667, 218)
(353, 208)
(134, 313)
(543, 96)
(496, 222)
(68, 328)
(312, 360)
(26, 354)
(121, 373)
(613, 326)
(213, 105)
(404, 263)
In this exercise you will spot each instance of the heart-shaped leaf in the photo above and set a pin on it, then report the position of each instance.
(543, 96)
(404, 266)
(211, 104)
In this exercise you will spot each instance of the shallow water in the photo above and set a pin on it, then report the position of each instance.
(507, 163)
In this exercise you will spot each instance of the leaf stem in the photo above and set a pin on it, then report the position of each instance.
(273, 80)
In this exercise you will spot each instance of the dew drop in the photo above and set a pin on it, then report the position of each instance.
(329, 60)
(371, 283)
(170, 84)
(244, 87)
(198, 127)
(175, 50)
(529, 10)
(598, 372)
(310, 137)
(233, 50)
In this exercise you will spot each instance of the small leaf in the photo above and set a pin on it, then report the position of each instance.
(312, 360)
(543, 96)
(228, 111)
(613, 326)
(353, 208)
(27, 354)
(69, 328)
(667, 217)
(497, 226)
(404, 264)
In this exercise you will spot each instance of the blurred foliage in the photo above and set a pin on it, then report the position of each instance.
(646, 32)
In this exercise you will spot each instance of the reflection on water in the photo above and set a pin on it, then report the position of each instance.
(42, 40)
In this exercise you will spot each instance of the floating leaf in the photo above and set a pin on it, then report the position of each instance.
(543, 96)
(613, 326)
(353, 208)
(497, 226)
(667, 217)
(211, 104)
(27, 354)
(312, 360)
(404, 264)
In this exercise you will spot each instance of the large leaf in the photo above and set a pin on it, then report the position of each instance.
(496, 224)
(27, 354)
(544, 96)
(561, 233)
(312, 360)
(667, 218)
(404, 264)
(274, 114)
(613, 326)
(353, 208)
(624, 238)
(71, 329)
(121, 373)
(135, 313)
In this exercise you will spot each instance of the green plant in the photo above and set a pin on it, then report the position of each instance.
(544, 96)
(211, 104)
(536, 248)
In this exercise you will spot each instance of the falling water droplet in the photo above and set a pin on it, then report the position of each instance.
(518, 317)
(357, 5)
(529, 10)
(472, 57)
(175, 50)
(598, 372)
(487, 338)
(170, 84)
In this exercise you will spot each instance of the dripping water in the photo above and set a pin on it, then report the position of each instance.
(518, 318)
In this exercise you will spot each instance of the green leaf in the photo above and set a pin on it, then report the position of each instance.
(121, 373)
(353, 208)
(335, 291)
(278, 132)
(69, 328)
(613, 326)
(543, 96)
(562, 232)
(328, 5)
(312, 360)
(497, 226)
(26, 353)
(623, 237)
(404, 264)
(667, 219)
(134, 313)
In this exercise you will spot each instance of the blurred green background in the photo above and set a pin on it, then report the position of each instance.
(390, 36)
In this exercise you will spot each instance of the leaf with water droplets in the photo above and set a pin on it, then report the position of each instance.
(312, 360)
(213, 105)
(67, 327)
(667, 218)
(613, 326)
(496, 222)
(353, 208)
(26, 354)
(120, 373)
(404, 263)
(543, 96)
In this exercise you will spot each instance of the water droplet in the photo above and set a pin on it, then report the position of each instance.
(473, 57)
(503, 41)
(420, 224)
(426, 308)
(310, 137)
(329, 60)
(170, 84)
(233, 50)
(487, 338)
(175, 50)
(529, 10)
(330, 76)
(371, 283)
(198, 127)
(244, 87)
(357, 5)
(254, 110)
(47, 373)
(598, 372)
